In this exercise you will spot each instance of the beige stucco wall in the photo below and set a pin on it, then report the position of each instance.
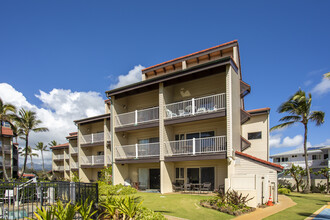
(259, 147)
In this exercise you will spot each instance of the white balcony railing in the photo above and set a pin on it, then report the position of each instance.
(196, 106)
(6, 148)
(7, 163)
(94, 138)
(58, 157)
(74, 150)
(137, 117)
(92, 160)
(59, 168)
(311, 163)
(196, 146)
(137, 151)
(66, 156)
(67, 167)
(74, 165)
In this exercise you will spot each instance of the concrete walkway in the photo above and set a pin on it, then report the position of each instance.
(284, 203)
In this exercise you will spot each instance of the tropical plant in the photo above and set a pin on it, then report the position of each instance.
(65, 212)
(44, 214)
(324, 172)
(299, 109)
(27, 121)
(52, 143)
(6, 115)
(106, 175)
(29, 153)
(284, 191)
(109, 208)
(327, 75)
(41, 147)
(86, 211)
(128, 206)
(75, 177)
(298, 174)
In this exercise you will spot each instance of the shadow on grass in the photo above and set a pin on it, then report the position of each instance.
(306, 214)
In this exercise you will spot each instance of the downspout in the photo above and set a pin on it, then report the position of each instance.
(111, 139)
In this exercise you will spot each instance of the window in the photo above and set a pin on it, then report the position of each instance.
(326, 156)
(254, 135)
(284, 159)
(277, 160)
(179, 177)
(100, 153)
(316, 157)
(179, 137)
(149, 140)
(294, 155)
(99, 175)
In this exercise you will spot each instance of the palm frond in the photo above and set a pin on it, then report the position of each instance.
(317, 117)
(294, 118)
(283, 125)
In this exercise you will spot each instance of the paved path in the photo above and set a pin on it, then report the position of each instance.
(169, 217)
(284, 203)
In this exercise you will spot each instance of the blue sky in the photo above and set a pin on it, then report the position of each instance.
(69, 47)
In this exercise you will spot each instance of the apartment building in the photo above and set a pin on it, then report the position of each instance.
(60, 161)
(10, 161)
(318, 157)
(185, 122)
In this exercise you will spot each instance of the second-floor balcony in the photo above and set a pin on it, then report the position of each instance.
(74, 165)
(137, 117)
(136, 151)
(58, 157)
(7, 149)
(196, 146)
(94, 138)
(93, 160)
(67, 168)
(74, 150)
(196, 106)
(58, 168)
(311, 163)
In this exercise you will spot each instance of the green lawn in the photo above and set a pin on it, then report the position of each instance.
(307, 204)
(180, 205)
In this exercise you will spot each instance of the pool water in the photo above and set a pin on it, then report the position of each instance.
(17, 214)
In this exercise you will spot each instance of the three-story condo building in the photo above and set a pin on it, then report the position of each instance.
(185, 122)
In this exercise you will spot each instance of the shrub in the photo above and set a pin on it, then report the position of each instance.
(284, 191)
(147, 214)
(106, 190)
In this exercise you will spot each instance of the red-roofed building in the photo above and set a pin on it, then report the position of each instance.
(186, 122)
(11, 152)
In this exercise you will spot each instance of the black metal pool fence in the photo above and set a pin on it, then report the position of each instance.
(19, 200)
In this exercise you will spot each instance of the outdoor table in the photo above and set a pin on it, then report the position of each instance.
(196, 186)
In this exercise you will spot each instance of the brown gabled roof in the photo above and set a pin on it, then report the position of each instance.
(28, 175)
(277, 166)
(7, 131)
(192, 54)
(60, 146)
(72, 135)
(93, 119)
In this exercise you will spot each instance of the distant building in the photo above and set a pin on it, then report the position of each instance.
(10, 161)
(318, 157)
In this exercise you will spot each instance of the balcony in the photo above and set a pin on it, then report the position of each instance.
(196, 106)
(58, 168)
(93, 160)
(7, 163)
(7, 149)
(137, 151)
(66, 156)
(137, 117)
(74, 165)
(58, 157)
(74, 150)
(94, 138)
(196, 146)
(311, 164)
(67, 168)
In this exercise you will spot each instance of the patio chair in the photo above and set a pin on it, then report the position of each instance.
(206, 187)
(170, 114)
(177, 187)
(187, 187)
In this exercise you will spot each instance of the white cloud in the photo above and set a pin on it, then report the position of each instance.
(308, 82)
(59, 108)
(133, 76)
(322, 87)
(276, 141)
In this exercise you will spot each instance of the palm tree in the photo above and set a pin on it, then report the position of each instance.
(6, 114)
(299, 109)
(327, 75)
(41, 147)
(53, 143)
(27, 121)
(28, 152)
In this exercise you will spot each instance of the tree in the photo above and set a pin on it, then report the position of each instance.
(53, 143)
(297, 173)
(27, 121)
(41, 147)
(327, 75)
(299, 109)
(6, 115)
(29, 152)
(325, 172)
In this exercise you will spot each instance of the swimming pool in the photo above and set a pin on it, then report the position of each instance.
(17, 214)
